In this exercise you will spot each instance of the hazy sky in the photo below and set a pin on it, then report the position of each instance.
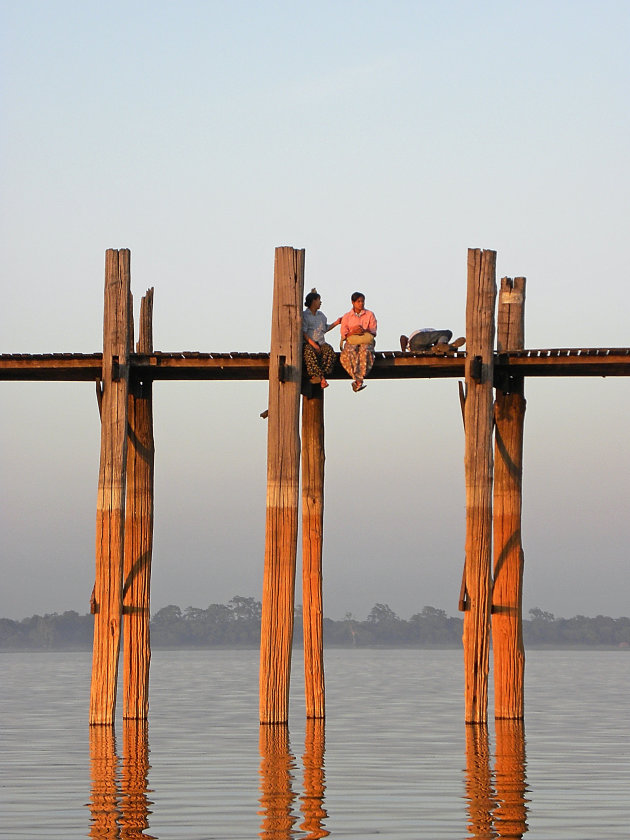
(385, 138)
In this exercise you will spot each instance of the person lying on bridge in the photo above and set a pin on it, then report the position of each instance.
(428, 338)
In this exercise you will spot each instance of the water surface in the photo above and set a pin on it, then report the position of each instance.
(393, 759)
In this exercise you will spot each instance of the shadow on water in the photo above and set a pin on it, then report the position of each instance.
(118, 803)
(277, 771)
(496, 801)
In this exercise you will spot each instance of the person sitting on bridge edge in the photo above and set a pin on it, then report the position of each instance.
(429, 338)
(358, 334)
(319, 357)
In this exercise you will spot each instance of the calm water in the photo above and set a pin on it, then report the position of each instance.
(394, 759)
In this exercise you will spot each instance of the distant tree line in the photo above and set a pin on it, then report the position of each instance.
(238, 624)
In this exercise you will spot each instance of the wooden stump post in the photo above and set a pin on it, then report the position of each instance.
(283, 463)
(509, 415)
(110, 506)
(139, 531)
(481, 295)
(312, 538)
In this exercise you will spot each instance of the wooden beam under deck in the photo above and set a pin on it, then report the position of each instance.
(86, 367)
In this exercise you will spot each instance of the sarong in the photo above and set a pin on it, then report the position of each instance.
(319, 364)
(357, 360)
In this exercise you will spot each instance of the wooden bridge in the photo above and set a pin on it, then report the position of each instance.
(88, 367)
(493, 408)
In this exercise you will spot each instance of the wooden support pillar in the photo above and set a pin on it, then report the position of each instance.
(480, 305)
(312, 538)
(283, 463)
(110, 505)
(139, 531)
(509, 415)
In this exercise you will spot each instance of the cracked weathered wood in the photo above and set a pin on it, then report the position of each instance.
(508, 652)
(480, 305)
(110, 505)
(312, 546)
(283, 464)
(139, 531)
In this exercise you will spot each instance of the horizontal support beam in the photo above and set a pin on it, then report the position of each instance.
(79, 367)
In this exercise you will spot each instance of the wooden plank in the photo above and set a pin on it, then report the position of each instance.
(480, 306)
(507, 593)
(283, 463)
(139, 531)
(110, 506)
(312, 550)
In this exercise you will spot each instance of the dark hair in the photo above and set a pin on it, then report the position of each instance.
(356, 296)
(310, 297)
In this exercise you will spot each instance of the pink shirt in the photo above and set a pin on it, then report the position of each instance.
(352, 319)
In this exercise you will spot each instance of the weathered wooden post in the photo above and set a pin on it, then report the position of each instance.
(139, 530)
(480, 304)
(110, 505)
(312, 538)
(509, 413)
(283, 463)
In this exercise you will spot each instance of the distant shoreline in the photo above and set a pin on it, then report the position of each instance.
(336, 646)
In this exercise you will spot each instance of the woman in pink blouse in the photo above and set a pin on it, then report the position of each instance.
(358, 333)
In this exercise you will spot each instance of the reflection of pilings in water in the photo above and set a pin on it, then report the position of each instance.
(313, 797)
(119, 804)
(135, 768)
(104, 800)
(277, 795)
(510, 818)
(479, 792)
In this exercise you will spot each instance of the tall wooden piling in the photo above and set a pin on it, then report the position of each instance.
(480, 305)
(509, 414)
(139, 530)
(283, 463)
(110, 505)
(312, 539)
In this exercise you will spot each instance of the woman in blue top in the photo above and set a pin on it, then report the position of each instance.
(319, 357)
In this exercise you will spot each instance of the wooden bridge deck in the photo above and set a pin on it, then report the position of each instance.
(85, 367)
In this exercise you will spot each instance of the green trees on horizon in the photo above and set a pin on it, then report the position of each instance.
(237, 623)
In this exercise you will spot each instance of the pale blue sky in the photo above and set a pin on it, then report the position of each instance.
(385, 138)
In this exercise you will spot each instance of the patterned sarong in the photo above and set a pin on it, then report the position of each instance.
(357, 360)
